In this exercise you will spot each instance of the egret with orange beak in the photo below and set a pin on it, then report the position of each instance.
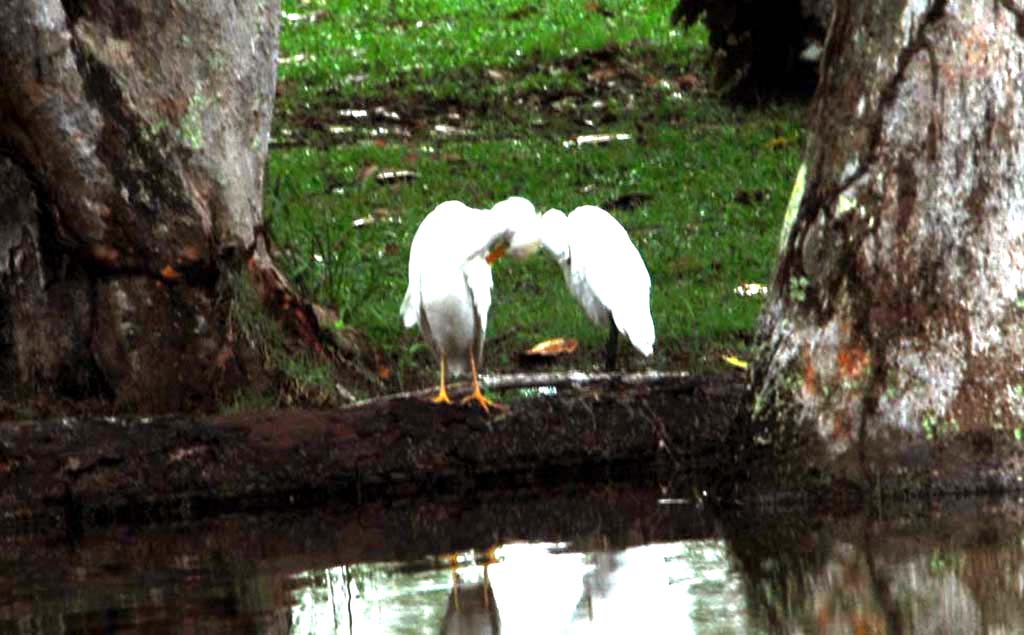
(450, 282)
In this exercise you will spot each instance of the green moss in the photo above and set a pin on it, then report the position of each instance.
(936, 427)
(152, 131)
(191, 130)
(798, 288)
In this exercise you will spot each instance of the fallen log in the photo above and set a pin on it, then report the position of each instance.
(71, 473)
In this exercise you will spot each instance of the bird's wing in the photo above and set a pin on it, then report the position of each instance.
(605, 259)
(430, 246)
(480, 282)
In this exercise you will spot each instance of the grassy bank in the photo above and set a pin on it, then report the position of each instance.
(479, 101)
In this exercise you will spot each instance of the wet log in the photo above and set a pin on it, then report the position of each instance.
(78, 472)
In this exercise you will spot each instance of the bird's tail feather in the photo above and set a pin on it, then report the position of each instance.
(638, 326)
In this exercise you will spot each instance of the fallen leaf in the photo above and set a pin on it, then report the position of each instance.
(603, 74)
(366, 172)
(354, 113)
(688, 81)
(596, 7)
(732, 360)
(779, 142)
(596, 139)
(552, 348)
(383, 113)
(750, 289)
(191, 253)
(396, 176)
(105, 254)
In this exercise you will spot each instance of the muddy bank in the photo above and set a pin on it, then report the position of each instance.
(74, 473)
(686, 434)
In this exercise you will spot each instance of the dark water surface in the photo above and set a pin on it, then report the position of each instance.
(611, 560)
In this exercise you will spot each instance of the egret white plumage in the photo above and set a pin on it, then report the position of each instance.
(605, 272)
(449, 293)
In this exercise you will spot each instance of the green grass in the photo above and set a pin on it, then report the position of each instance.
(357, 49)
(714, 178)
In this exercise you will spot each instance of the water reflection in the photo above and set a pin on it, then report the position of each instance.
(530, 588)
(607, 561)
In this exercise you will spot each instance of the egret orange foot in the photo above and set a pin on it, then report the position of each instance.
(481, 399)
(442, 397)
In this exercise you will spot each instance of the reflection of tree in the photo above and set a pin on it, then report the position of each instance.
(778, 565)
(346, 599)
(862, 576)
(994, 573)
(99, 592)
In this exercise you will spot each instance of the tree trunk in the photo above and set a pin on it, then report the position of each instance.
(894, 325)
(132, 145)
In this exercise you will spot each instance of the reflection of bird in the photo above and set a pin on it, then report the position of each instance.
(471, 608)
(450, 280)
(605, 272)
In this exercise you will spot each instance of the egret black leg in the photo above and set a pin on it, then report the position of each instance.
(612, 350)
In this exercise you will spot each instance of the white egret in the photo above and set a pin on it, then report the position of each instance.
(450, 280)
(605, 272)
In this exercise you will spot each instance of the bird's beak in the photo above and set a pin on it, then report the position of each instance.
(496, 253)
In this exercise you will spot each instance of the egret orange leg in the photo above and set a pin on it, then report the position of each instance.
(487, 581)
(442, 393)
(477, 395)
(453, 566)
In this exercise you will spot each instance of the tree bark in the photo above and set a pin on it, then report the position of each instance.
(894, 324)
(132, 145)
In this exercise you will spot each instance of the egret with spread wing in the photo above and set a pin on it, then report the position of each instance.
(605, 272)
(449, 293)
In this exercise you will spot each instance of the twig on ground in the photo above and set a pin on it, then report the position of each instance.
(556, 379)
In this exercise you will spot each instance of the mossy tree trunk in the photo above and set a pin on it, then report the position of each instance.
(132, 145)
(895, 324)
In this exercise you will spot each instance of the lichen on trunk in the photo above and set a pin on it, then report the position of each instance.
(895, 317)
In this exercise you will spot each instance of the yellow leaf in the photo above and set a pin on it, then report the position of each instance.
(732, 360)
(553, 347)
(778, 142)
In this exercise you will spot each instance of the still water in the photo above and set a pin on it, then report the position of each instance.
(608, 560)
